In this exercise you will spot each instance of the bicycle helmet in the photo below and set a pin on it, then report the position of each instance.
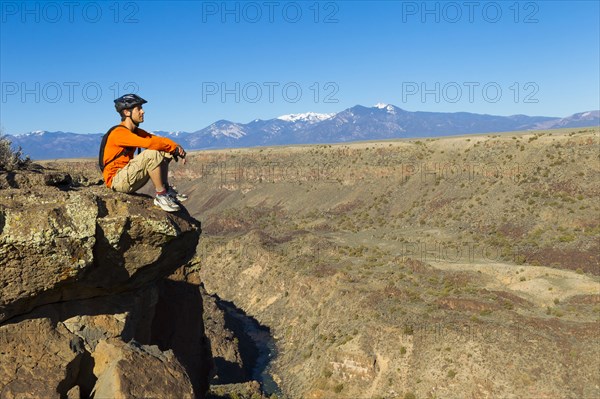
(128, 101)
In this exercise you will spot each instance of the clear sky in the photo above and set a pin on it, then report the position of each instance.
(62, 63)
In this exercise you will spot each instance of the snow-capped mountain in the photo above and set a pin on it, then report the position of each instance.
(309, 117)
(382, 121)
(224, 128)
(582, 119)
(168, 134)
(389, 108)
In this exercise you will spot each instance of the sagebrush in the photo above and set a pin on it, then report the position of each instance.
(11, 158)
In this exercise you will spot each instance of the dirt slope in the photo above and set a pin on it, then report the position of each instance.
(450, 268)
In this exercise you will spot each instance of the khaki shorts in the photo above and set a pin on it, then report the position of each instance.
(135, 174)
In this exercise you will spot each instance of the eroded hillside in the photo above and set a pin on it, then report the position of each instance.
(450, 268)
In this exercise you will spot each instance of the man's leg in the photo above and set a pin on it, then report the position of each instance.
(146, 166)
(164, 172)
(158, 177)
(162, 199)
(139, 170)
(164, 169)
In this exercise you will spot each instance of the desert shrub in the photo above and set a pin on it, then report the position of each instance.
(11, 159)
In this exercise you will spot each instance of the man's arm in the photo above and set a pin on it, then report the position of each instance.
(123, 137)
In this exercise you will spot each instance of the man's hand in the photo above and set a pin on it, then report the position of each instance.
(179, 153)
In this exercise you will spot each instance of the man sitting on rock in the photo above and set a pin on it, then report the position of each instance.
(124, 173)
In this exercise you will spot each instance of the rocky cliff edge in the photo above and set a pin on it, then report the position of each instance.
(85, 305)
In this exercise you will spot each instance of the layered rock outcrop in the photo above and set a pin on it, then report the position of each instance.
(86, 307)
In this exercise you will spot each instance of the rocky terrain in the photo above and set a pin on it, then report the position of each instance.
(434, 268)
(460, 267)
(87, 308)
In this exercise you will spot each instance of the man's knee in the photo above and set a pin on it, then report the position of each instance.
(153, 159)
(154, 155)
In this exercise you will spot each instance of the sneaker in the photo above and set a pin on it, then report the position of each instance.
(173, 193)
(166, 203)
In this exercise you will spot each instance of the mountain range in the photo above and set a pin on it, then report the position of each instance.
(382, 121)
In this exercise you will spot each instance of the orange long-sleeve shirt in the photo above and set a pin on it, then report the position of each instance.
(121, 138)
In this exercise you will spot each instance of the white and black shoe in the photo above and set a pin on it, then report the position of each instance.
(176, 195)
(166, 203)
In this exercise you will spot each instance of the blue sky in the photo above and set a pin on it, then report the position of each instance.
(63, 63)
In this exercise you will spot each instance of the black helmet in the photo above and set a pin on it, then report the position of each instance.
(128, 101)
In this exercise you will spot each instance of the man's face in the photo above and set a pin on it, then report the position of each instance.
(137, 114)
